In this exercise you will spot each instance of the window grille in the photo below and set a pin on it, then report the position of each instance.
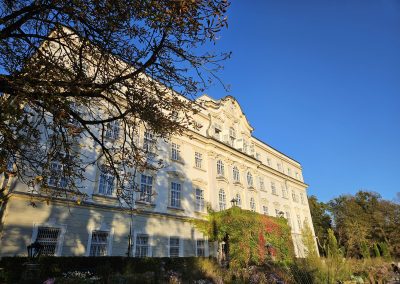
(146, 188)
(236, 174)
(222, 200)
(175, 195)
(198, 159)
(174, 245)
(200, 248)
(220, 168)
(48, 237)
(106, 182)
(99, 244)
(175, 154)
(142, 246)
(199, 200)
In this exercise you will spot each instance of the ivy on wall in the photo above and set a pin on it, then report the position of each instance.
(253, 238)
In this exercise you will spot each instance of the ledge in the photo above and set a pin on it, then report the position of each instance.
(200, 169)
(175, 208)
(145, 204)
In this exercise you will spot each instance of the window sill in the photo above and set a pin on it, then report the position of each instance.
(200, 169)
(145, 204)
(222, 178)
(180, 161)
(99, 195)
(175, 208)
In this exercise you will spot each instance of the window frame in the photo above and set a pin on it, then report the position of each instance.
(179, 246)
(220, 168)
(175, 198)
(221, 200)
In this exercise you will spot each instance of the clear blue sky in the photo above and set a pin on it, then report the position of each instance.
(320, 81)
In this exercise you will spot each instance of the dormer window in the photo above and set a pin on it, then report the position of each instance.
(217, 130)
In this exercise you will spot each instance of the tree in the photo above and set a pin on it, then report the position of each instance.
(364, 220)
(321, 220)
(99, 71)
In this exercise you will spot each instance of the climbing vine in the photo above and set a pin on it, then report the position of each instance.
(253, 238)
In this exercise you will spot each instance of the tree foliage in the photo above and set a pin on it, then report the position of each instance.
(364, 220)
(321, 220)
(95, 73)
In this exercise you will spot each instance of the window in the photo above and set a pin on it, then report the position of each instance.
(198, 158)
(249, 179)
(176, 152)
(238, 200)
(258, 156)
(175, 195)
(273, 188)
(48, 237)
(279, 166)
(252, 205)
(142, 245)
(200, 248)
(289, 172)
(220, 168)
(174, 247)
(265, 210)
(262, 185)
(146, 188)
(288, 218)
(277, 213)
(244, 146)
(284, 191)
(57, 178)
(148, 142)
(222, 200)
(199, 200)
(294, 197)
(297, 175)
(99, 244)
(112, 129)
(299, 222)
(302, 198)
(236, 175)
(232, 136)
(217, 131)
(106, 182)
(268, 161)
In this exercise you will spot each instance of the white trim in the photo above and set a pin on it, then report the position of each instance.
(104, 228)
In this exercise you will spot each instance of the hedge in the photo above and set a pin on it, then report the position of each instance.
(15, 272)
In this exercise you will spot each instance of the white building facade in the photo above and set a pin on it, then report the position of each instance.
(209, 166)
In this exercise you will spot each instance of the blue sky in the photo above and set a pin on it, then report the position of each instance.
(320, 81)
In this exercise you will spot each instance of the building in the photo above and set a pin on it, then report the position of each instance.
(214, 164)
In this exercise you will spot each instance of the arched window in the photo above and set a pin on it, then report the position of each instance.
(238, 200)
(252, 204)
(222, 200)
(249, 179)
(220, 168)
(236, 176)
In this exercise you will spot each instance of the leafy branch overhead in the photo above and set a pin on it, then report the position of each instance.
(84, 76)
